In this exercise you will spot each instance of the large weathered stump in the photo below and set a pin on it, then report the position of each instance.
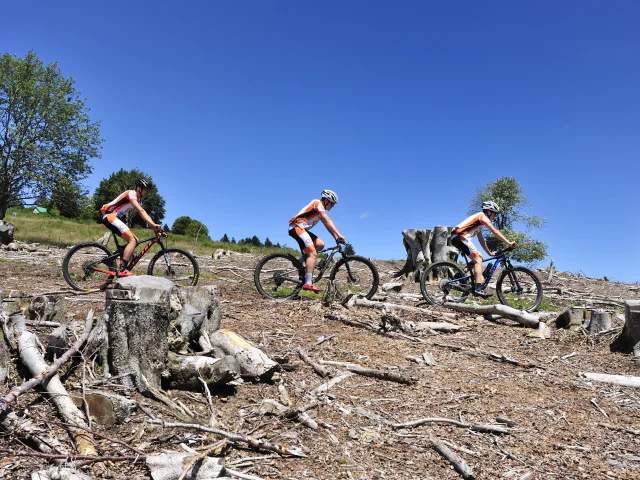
(629, 339)
(138, 321)
(425, 247)
(6, 233)
(198, 314)
(571, 318)
(600, 321)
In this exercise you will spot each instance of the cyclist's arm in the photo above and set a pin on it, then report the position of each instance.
(145, 216)
(331, 227)
(484, 244)
(500, 236)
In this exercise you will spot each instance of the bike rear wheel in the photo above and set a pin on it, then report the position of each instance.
(438, 284)
(87, 266)
(176, 265)
(355, 275)
(279, 275)
(519, 287)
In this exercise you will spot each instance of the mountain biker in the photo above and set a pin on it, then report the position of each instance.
(472, 225)
(309, 243)
(114, 212)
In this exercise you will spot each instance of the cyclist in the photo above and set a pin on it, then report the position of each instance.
(114, 212)
(309, 243)
(461, 239)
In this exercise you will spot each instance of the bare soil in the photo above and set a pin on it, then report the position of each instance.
(561, 422)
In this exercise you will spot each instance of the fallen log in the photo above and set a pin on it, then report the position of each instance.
(185, 371)
(524, 318)
(622, 380)
(253, 362)
(456, 460)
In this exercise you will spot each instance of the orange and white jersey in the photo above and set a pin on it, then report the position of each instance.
(308, 216)
(470, 225)
(121, 205)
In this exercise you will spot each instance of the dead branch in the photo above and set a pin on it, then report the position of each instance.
(381, 374)
(525, 318)
(71, 458)
(51, 371)
(319, 369)
(620, 429)
(453, 458)
(496, 357)
(479, 427)
(622, 380)
(371, 328)
(253, 443)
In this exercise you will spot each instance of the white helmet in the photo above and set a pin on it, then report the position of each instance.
(330, 195)
(491, 206)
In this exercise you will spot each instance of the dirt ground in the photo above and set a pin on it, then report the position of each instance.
(562, 426)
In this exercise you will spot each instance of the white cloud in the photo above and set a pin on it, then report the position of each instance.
(364, 215)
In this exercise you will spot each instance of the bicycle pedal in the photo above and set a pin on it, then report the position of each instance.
(481, 294)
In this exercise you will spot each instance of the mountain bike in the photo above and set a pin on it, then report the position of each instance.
(517, 287)
(281, 275)
(92, 266)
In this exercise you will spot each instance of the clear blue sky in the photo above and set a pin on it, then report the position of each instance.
(243, 111)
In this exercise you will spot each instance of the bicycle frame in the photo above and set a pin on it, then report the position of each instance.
(501, 259)
(118, 253)
(327, 261)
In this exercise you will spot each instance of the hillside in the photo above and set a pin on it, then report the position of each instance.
(561, 425)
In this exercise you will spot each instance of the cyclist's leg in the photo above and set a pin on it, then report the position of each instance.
(467, 246)
(118, 227)
(307, 243)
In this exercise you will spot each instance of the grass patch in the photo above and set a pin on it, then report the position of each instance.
(63, 232)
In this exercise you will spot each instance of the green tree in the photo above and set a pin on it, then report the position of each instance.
(68, 197)
(255, 241)
(188, 226)
(509, 195)
(123, 180)
(45, 130)
(348, 250)
(268, 243)
(225, 238)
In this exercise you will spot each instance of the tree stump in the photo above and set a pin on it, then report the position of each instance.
(425, 247)
(198, 314)
(600, 320)
(6, 233)
(48, 308)
(629, 339)
(571, 318)
(138, 321)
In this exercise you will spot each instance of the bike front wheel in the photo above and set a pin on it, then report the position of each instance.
(519, 288)
(279, 275)
(355, 275)
(176, 265)
(89, 266)
(444, 282)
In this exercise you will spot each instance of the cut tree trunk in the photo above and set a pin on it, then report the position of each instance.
(138, 310)
(106, 408)
(184, 371)
(441, 248)
(6, 233)
(417, 244)
(525, 318)
(253, 361)
(629, 339)
(425, 247)
(571, 318)
(199, 313)
(600, 321)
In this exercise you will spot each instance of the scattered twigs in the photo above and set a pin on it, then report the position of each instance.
(360, 324)
(244, 476)
(380, 374)
(595, 404)
(324, 387)
(453, 458)
(490, 355)
(212, 419)
(51, 371)
(479, 427)
(525, 318)
(321, 340)
(216, 448)
(620, 429)
(88, 459)
(234, 437)
(319, 369)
